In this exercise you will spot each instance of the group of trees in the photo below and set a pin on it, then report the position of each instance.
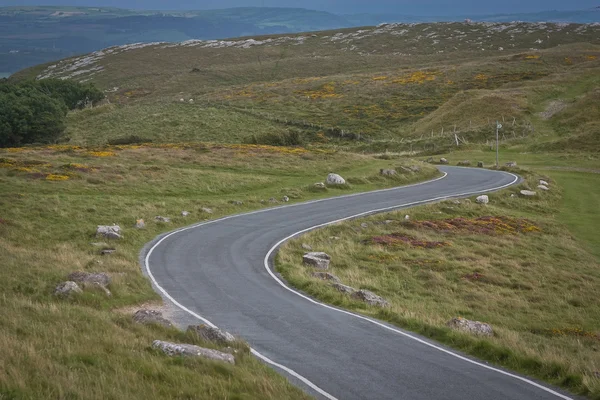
(35, 111)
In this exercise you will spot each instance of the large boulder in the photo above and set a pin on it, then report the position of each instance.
(483, 199)
(190, 350)
(443, 161)
(109, 231)
(211, 334)
(147, 317)
(317, 259)
(370, 298)
(473, 327)
(66, 289)
(326, 276)
(335, 179)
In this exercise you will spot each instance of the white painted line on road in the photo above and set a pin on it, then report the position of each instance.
(266, 264)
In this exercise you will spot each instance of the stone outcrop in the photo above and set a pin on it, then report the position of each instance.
(326, 276)
(190, 350)
(211, 334)
(147, 317)
(527, 193)
(473, 327)
(109, 231)
(370, 298)
(66, 289)
(343, 288)
(317, 259)
(335, 179)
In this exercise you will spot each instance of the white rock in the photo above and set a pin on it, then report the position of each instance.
(527, 193)
(543, 182)
(343, 288)
(286, 199)
(483, 199)
(370, 298)
(65, 289)
(320, 185)
(474, 327)
(185, 213)
(543, 187)
(109, 231)
(335, 179)
(407, 217)
(207, 210)
(211, 334)
(317, 259)
(190, 350)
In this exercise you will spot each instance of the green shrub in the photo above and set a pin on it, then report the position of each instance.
(289, 138)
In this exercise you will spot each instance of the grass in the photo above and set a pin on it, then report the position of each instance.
(88, 347)
(536, 286)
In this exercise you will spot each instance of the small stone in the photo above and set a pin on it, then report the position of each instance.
(543, 187)
(544, 183)
(237, 202)
(185, 213)
(387, 172)
(388, 221)
(483, 199)
(334, 238)
(364, 225)
(273, 200)
(206, 210)
(335, 179)
(317, 259)
(162, 219)
(527, 193)
(479, 164)
(443, 161)
(407, 217)
(511, 164)
(140, 224)
(513, 195)
(66, 289)
(109, 231)
(306, 246)
(211, 334)
(146, 317)
(326, 276)
(107, 252)
(474, 327)
(343, 288)
(286, 199)
(370, 298)
(320, 185)
(190, 350)
(464, 163)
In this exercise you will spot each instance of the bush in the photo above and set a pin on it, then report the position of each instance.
(290, 138)
(132, 139)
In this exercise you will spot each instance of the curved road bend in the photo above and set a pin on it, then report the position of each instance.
(217, 270)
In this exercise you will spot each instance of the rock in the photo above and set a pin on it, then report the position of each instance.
(109, 231)
(370, 298)
(146, 317)
(160, 218)
(334, 238)
(107, 252)
(190, 350)
(464, 163)
(544, 183)
(479, 164)
(474, 327)
(66, 289)
(443, 161)
(185, 213)
(335, 179)
(319, 185)
(483, 199)
(273, 200)
(543, 187)
(527, 193)
(211, 334)
(513, 195)
(343, 288)
(100, 278)
(317, 259)
(511, 164)
(237, 202)
(286, 199)
(387, 172)
(306, 246)
(326, 276)
(364, 225)
(140, 224)
(407, 217)
(206, 210)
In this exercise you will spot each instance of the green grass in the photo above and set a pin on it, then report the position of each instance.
(88, 347)
(537, 289)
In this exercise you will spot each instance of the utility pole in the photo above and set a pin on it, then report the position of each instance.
(498, 127)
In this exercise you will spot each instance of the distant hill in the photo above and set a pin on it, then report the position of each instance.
(37, 35)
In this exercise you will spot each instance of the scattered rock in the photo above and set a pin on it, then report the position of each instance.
(464, 163)
(483, 199)
(317, 259)
(543, 187)
(474, 327)
(306, 246)
(370, 298)
(65, 289)
(480, 164)
(326, 276)
(364, 225)
(190, 350)
(140, 224)
(443, 161)
(343, 288)
(273, 200)
(206, 210)
(286, 199)
(185, 213)
(319, 185)
(237, 202)
(109, 231)
(160, 218)
(146, 317)
(335, 179)
(544, 183)
(100, 278)
(107, 252)
(528, 193)
(211, 334)
(387, 172)
(511, 164)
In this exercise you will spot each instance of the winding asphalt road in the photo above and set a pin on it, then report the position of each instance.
(220, 272)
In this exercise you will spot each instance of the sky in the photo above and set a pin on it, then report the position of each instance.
(410, 7)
